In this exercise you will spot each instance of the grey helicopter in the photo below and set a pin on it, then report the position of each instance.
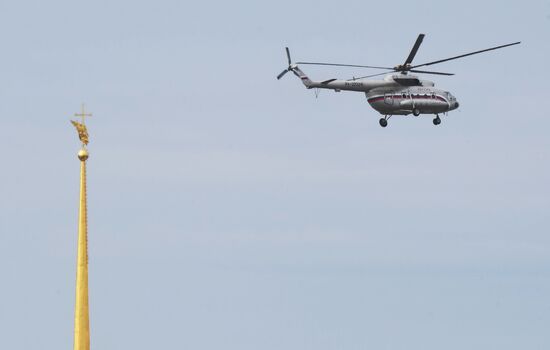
(399, 92)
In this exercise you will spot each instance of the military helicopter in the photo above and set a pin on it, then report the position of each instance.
(396, 94)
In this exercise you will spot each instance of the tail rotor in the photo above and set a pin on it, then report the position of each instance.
(290, 66)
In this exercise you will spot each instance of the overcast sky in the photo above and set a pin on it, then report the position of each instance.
(229, 210)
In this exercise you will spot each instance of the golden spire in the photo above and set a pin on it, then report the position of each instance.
(81, 313)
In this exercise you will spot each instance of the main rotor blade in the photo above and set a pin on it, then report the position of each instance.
(282, 73)
(414, 49)
(288, 55)
(429, 72)
(412, 70)
(467, 54)
(369, 76)
(328, 81)
(343, 65)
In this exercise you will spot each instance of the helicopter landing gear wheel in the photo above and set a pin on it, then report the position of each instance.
(416, 112)
(437, 120)
(383, 122)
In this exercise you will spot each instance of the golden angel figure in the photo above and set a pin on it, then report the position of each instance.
(82, 131)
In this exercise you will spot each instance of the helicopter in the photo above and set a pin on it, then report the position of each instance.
(399, 92)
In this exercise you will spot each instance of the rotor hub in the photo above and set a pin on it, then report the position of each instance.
(402, 67)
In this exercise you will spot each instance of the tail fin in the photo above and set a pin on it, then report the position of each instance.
(307, 82)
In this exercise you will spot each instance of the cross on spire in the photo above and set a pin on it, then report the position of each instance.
(83, 113)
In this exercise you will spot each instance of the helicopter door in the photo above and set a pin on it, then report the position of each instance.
(388, 99)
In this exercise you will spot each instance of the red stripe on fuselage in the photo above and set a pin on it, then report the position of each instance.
(397, 97)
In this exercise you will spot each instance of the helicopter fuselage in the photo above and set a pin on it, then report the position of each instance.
(404, 101)
(395, 95)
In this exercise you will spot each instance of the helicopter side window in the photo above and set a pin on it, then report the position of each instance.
(433, 95)
(403, 95)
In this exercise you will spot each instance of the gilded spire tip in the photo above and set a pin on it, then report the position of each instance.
(81, 126)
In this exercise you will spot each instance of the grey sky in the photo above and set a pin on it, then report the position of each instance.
(229, 210)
